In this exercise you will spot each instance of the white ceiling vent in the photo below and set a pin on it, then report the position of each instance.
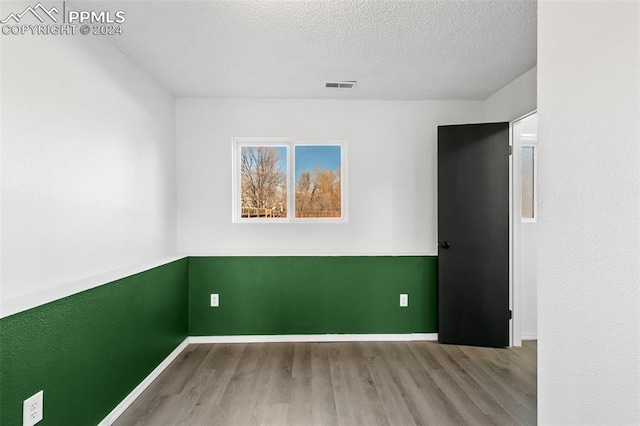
(340, 84)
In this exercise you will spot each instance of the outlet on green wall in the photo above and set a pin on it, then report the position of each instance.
(89, 350)
(312, 295)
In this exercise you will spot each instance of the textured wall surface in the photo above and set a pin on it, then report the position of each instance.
(391, 150)
(88, 163)
(589, 225)
(312, 295)
(89, 350)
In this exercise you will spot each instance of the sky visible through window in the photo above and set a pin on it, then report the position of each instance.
(317, 156)
(307, 158)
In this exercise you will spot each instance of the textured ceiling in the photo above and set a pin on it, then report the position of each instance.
(444, 49)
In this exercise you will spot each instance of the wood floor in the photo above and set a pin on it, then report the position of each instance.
(389, 383)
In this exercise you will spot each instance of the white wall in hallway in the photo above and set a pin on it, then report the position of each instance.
(391, 173)
(514, 100)
(88, 164)
(589, 225)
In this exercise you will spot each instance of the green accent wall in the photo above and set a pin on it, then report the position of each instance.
(88, 351)
(312, 295)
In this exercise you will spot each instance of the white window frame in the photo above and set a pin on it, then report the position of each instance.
(290, 144)
(531, 142)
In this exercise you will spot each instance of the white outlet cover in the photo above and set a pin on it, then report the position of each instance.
(32, 409)
(404, 300)
(215, 300)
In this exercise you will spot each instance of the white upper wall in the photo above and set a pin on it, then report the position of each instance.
(589, 222)
(88, 165)
(514, 100)
(391, 173)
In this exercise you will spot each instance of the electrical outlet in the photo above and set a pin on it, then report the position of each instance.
(32, 409)
(215, 300)
(404, 300)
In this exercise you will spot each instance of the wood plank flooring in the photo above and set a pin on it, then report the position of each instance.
(359, 383)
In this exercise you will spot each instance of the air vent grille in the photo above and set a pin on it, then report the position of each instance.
(340, 84)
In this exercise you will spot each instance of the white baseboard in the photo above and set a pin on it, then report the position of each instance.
(125, 403)
(529, 336)
(409, 337)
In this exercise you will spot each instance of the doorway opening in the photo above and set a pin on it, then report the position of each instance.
(524, 218)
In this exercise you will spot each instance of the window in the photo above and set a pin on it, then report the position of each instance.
(263, 181)
(528, 168)
(278, 180)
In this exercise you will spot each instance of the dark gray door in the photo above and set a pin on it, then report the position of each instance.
(473, 234)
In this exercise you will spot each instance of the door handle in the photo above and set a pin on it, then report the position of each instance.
(444, 245)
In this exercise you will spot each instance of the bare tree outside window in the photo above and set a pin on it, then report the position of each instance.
(263, 184)
(318, 189)
(318, 193)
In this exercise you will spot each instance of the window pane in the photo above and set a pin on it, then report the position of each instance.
(528, 189)
(263, 181)
(318, 182)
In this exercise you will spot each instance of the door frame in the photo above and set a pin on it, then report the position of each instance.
(515, 229)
